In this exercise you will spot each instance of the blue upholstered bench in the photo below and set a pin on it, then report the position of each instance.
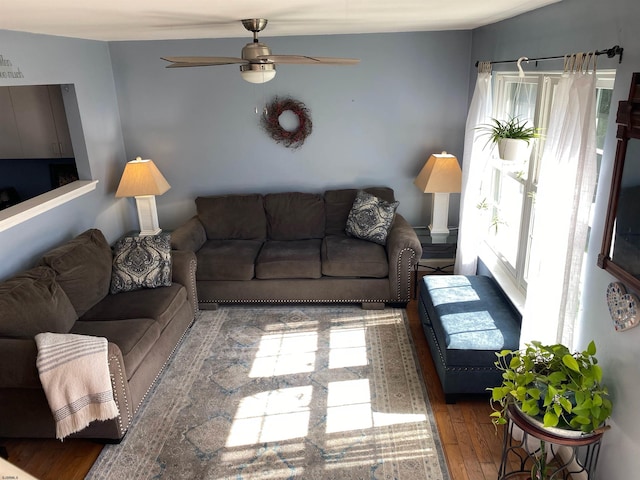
(466, 319)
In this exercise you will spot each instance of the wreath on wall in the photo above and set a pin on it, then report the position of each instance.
(271, 122)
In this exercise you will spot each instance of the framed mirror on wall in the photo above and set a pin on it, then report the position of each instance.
(620, 252)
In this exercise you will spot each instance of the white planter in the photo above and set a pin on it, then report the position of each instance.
(514, 149)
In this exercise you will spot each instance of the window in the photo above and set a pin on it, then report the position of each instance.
(510, 186)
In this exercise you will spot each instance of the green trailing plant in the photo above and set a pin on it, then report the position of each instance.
(513, 128)
(550, 383)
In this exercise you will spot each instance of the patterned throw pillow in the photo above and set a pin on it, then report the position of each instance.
(370, 218)
(141, 262)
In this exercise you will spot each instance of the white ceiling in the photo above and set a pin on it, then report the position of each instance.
(173, 19)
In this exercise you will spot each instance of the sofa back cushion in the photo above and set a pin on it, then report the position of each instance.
(32, 302)
(294, 216)
(83, 268)
(233, 217)
(338, 204)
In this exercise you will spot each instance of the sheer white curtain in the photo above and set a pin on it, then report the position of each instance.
(565, 192)
(474, 161)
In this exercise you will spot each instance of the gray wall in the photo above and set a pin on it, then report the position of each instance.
(573, 26)
(86, 64)
(374, 123)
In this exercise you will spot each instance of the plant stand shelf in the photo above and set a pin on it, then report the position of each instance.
(524, 444)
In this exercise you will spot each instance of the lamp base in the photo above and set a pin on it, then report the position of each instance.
(147, 215)
(144, 233)
(439, 218)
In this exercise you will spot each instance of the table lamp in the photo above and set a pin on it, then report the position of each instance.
(142, 179)
(441, 175)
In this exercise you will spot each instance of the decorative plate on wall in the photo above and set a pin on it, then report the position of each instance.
(623, 306)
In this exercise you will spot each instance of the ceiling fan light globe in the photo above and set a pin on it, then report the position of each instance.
(257, 73)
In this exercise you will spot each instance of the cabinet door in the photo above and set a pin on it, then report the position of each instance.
(32, 109)
(65, 148)
(9, 138)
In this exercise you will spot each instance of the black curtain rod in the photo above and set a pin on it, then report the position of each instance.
(610, 52)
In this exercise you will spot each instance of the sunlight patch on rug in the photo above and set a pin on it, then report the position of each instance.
(285, 392)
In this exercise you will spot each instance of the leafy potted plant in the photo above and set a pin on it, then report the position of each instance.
(513, 137)
(556, 388)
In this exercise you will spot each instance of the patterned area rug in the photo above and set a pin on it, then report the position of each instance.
(285, 392)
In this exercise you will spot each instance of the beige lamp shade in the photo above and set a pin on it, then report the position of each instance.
(141, 177)
(441, 174)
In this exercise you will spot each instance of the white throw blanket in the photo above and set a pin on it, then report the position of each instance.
(74, 372)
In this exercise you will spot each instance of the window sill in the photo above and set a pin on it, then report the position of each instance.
(12, 216)
(503, 277)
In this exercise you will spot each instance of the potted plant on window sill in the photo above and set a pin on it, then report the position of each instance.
(556, 389)
(513, 137)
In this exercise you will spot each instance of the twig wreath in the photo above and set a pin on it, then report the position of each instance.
(271, 122)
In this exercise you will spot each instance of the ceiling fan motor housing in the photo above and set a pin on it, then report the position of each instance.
(251, 51)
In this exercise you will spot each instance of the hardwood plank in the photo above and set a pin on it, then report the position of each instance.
(470, 458)
(49, 459)
(455, 462)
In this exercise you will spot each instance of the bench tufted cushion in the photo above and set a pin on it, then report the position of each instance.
(471, 318)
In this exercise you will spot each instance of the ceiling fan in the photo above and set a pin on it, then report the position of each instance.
(257, 64)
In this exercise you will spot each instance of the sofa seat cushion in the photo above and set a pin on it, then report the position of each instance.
(344, 256)
(135, 337)
(289, 259)
(338, 204)
(32, 302)
(239, 217)
(471, 318)
(227, 259)
(83, 267)
(160, 304)
(294, 215)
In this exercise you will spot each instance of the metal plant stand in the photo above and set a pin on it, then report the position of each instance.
(537, 454)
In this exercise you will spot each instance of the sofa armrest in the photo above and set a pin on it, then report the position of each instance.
(120, 386)
(189, 236)
(21, 354)
(18, 356)
(403, 252)
(183, 271)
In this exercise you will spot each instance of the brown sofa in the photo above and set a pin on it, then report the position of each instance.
(292, 247)
(69, 292)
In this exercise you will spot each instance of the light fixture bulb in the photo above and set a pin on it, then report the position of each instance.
(258, 72)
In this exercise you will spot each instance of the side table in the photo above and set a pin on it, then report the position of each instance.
(532, 448)
(438, 257)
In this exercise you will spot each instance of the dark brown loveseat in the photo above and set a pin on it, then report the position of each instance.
(292, 247)
(68, 292)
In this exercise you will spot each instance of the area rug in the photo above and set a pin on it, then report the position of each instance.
(285, 392)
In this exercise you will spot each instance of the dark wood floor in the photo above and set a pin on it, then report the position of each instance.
(471, 444)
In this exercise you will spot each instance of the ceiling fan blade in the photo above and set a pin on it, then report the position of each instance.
(307, 60)
(178, 62)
